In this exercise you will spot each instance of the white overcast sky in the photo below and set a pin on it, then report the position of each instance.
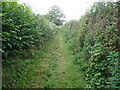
(72, 9)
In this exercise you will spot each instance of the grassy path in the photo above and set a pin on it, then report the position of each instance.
(57, 68)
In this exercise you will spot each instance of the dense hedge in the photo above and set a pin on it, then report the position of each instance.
(22, 29)
(95, 41)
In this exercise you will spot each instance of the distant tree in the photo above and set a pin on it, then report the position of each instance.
(56, 16)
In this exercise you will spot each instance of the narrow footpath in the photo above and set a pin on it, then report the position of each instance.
(57, 68)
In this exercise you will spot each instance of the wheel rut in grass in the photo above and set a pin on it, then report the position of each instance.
(57, 67)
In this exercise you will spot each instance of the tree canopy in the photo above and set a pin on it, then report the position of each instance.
(55, 15)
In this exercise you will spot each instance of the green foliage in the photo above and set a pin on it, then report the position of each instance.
(22, 29)
(94, 40)
(113, 59)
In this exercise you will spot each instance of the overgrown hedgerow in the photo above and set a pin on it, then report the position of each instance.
(22, 29)
(94, 40)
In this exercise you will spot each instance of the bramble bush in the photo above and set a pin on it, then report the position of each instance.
(94, 40)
